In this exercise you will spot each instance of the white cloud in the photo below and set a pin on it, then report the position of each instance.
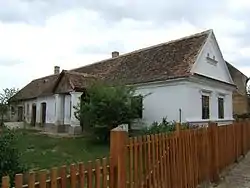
(35, 37)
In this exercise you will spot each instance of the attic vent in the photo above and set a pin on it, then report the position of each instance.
(45, 80)
(211, 61)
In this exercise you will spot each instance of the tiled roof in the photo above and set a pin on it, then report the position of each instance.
(161, 62)
(36, 87)
(165, 61)
(71, 81)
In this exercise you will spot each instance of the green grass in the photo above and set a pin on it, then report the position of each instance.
(43, 152)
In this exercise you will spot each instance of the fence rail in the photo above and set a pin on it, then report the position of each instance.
(182, 159)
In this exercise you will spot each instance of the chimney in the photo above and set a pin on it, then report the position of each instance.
(56, 70)
(115, 54)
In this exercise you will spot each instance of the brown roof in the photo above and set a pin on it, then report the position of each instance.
(161, 62)
(36, 87)
(165, 61)
(72, 81)
(239, 79)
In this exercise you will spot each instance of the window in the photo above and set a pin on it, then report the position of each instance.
(221, 108)
(70, 104)
(28, 109)
(137, 105)
(205, 107)
(55, 108)
(12, 109)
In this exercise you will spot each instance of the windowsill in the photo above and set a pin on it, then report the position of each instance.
(208, 120)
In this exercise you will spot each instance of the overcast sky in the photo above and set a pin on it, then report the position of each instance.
(36, 35)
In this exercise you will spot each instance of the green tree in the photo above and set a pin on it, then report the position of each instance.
(5, 97)
(104, 107)
(9, 154)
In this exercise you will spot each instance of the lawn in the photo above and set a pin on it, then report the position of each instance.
(43, 152)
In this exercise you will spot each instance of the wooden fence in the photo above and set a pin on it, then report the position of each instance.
(182, 159)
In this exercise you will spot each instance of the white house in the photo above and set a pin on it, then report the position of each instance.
(187, 80)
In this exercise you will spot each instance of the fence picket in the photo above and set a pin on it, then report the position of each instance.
(5, 182)
(97, 174)
(53, 178)
(141, 160)
(104, 173)
(73, 176)
(89, 175)
(18, 181)
(42, 179)
(81, 175)
(135, 143)
(31, 183)
(63, 175)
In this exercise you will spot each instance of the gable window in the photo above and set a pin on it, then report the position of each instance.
(137, 105)
(205, 107)
(221, 108)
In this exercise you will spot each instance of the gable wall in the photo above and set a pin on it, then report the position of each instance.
(209, 68)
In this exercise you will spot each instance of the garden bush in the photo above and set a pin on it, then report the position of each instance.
(163, 127)
(9, 154)
(104, 107)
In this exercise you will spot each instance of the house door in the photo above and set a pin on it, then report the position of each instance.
(20, 113)
(33, 116)
(43, 111)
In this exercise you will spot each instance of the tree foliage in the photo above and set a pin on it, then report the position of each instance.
(104, 107)
(9, 154)
(5, 97)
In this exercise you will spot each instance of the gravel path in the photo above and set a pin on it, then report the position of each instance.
(238, 176)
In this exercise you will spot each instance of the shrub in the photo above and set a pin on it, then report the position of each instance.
(242, 116)
(104, 107)
(9, 154)
(163, 127)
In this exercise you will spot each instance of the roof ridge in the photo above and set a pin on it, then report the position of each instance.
(80, 73)
(44, 77)
(149, 47)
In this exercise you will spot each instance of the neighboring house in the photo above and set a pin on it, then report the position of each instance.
(240, 97)
(187, 80)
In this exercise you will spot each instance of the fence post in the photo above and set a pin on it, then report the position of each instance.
(118, 143)
(214, 146)
(177, 128)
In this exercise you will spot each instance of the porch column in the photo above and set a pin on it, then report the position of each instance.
(75, 99)
(59, 109)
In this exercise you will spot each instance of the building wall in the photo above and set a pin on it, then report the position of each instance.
(240, 103)
(240, 98)
(163, 100)
(181, 101)
(195, 92)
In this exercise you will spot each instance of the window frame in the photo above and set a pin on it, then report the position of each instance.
(221, 115)
(203, 115)
(139, 114)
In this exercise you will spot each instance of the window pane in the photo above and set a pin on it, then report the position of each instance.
(205, 107)
(137, 104)
(220, 108)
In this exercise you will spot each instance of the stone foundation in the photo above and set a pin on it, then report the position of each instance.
(73, 130)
